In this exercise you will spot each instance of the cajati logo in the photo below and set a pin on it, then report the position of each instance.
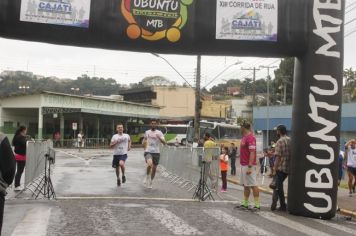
(155, 19)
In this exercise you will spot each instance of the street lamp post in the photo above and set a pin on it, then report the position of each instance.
(268, 100)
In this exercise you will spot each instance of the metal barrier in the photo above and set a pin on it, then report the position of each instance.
(182, 166)
(36, 159)
(88, 143)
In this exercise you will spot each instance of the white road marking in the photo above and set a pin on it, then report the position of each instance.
(240, 225)
(172, 222)
(336, 226)
(34, 223)
(302, 228)
(140, 199)
(72, 155)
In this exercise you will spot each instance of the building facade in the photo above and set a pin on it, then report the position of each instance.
(46, 113)
(283, 115)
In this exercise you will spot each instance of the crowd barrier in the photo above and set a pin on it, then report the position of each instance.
(183, 165)
(36, 159)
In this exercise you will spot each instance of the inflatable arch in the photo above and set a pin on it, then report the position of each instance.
(310, 30)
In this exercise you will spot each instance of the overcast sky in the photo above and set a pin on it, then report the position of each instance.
(129, 67)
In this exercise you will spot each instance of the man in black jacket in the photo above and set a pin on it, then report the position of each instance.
(7, 171)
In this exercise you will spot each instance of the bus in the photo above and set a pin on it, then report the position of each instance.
(173, 134)
(222, 133)
(137, 131)
(176, 134)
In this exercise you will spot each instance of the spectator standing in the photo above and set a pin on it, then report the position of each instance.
(248, 167)
(232, 156)
(341, 167)
(19, 142)
(350, 157)
(281, 167)
(224, 165)
(7, 171)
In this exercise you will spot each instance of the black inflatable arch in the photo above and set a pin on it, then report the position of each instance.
(310, 30)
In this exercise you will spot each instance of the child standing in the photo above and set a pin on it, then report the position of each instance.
(224, 165)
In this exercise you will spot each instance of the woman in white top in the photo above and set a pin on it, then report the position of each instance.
(350, 156)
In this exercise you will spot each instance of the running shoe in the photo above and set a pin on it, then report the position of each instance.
(118, 182)
(256, 208)
(149, 185)
(242, 206)
(350, 194)
(223, 190)
(123, 179)
(17, 189)
(145, 180)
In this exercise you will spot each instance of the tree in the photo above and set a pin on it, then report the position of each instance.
(157, 81)
(283, 82)
(350, 85)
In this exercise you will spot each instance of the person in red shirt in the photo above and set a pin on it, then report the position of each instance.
(248, 167)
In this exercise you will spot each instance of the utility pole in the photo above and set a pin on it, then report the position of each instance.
(268, 100)
(254, 69)
(197, 99)
(285, 83)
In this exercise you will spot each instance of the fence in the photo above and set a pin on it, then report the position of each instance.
(36, 159)
(182, 166)
(88, 143)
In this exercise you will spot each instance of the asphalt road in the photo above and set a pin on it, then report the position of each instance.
(90, 203)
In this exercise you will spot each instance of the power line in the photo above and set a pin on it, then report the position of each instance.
(350, 33)
(350, 10)
(350, 5)
(350, 21)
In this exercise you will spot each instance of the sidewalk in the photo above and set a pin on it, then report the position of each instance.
(346, 204)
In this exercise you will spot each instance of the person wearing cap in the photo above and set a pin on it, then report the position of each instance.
(248, 164)
(281, 167)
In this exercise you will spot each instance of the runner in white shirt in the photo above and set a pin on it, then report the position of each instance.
(121, 144)
(152, 140)
(350, 156)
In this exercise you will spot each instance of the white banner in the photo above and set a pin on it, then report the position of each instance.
(255, 20)
(59, 12)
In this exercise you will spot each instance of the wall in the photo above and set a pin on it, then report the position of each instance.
(216, 109)
(175, 102)
(241, 108)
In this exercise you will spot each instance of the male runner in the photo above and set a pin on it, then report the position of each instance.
(121, 143)
(151, 142)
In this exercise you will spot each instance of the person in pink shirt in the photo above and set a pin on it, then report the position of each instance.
(248, 164)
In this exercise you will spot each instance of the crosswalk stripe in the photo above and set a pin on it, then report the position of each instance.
(291, 224)
(34, 223)
(336, 226)
(172, 222)
(240, 225)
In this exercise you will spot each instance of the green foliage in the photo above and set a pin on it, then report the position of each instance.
(283, 77)
(350, 85)
(87, 85)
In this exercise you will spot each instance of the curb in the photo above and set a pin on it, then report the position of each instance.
(344, 212)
